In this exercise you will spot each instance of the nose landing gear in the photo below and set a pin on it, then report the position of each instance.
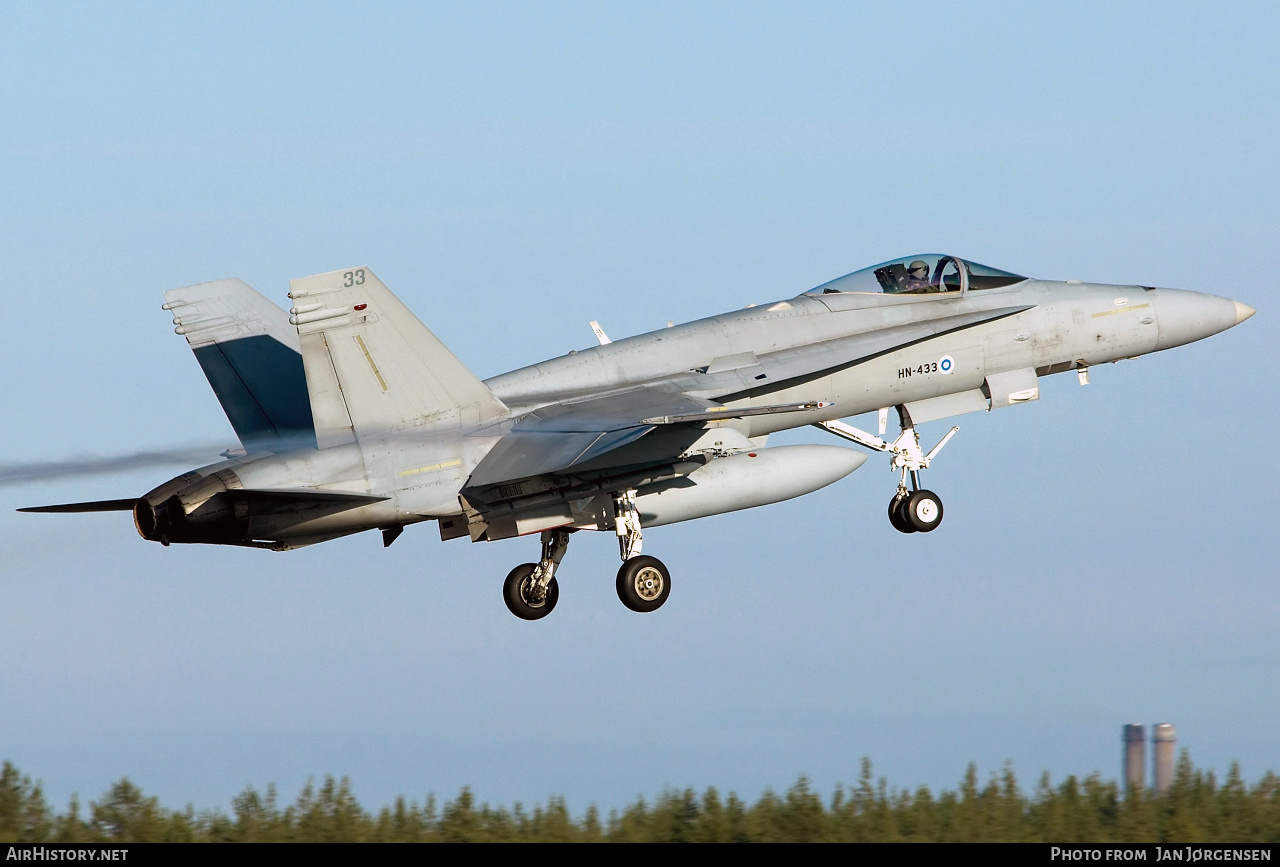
(912, 509)
(915, 511)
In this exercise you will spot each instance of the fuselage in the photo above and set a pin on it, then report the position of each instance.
(1075, 324)
(850, 352)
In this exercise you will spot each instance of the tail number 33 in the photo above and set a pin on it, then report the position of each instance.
(353, 278)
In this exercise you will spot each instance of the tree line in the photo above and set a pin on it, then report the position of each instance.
(1196, 809)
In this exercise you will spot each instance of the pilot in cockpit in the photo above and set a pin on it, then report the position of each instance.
(917, 279)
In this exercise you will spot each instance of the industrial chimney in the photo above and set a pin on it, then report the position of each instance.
(1163, 743)
(1134, 759)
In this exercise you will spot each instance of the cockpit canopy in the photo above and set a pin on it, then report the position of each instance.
(918, 275)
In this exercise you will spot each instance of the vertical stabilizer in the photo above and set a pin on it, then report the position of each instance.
(249, 353)
(372, 368)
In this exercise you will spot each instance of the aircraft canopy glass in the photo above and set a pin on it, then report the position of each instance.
(918, 275)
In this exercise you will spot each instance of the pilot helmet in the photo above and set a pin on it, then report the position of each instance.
(918, 265)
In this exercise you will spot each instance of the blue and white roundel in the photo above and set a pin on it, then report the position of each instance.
(946, 363)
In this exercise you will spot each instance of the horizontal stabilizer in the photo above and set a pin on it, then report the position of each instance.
(294, 500)
(95, 506)
(272, 514)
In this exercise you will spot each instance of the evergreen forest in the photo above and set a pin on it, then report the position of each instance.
(1198, 808)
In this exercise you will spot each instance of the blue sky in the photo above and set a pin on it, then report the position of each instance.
(514, 171)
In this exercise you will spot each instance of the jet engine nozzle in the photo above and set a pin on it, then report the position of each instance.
(189, 508)
(146, 521)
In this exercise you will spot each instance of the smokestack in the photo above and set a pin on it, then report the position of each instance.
(1163, 740)
(1134, 760)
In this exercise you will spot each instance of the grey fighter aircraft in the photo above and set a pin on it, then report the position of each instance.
(353, 416)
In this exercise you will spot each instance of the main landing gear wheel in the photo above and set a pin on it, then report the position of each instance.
(643, 583)
(896, 516)
(522, 595)
(922, 510)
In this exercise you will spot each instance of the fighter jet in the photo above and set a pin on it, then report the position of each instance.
(353, 416)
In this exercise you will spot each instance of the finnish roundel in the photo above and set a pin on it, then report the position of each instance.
(946, 363)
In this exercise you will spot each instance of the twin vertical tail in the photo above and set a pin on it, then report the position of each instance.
(249, 353)
(372, 368)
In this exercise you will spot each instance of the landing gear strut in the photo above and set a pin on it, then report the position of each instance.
(913, 509)
(531, 591)
(643, 582)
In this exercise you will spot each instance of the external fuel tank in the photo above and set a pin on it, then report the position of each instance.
(746, 480)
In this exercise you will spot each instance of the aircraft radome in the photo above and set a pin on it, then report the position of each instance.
(353, 416)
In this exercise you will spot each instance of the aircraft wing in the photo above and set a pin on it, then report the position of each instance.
(606, 432)
(562, 436)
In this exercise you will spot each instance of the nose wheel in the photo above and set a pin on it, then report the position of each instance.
(915, 512)
(896, 518)
(912, 510)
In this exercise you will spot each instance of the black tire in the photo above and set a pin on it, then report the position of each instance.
(923, 510)
(643, 583)
(515, 594)
(896, 516)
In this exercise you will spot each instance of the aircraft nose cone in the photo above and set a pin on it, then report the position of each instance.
(1185, 317)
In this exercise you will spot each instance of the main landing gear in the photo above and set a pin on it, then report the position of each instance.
(644, 583)
(531, 591)
(912, 510)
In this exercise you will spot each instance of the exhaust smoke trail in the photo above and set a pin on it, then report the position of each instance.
(23, 472)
